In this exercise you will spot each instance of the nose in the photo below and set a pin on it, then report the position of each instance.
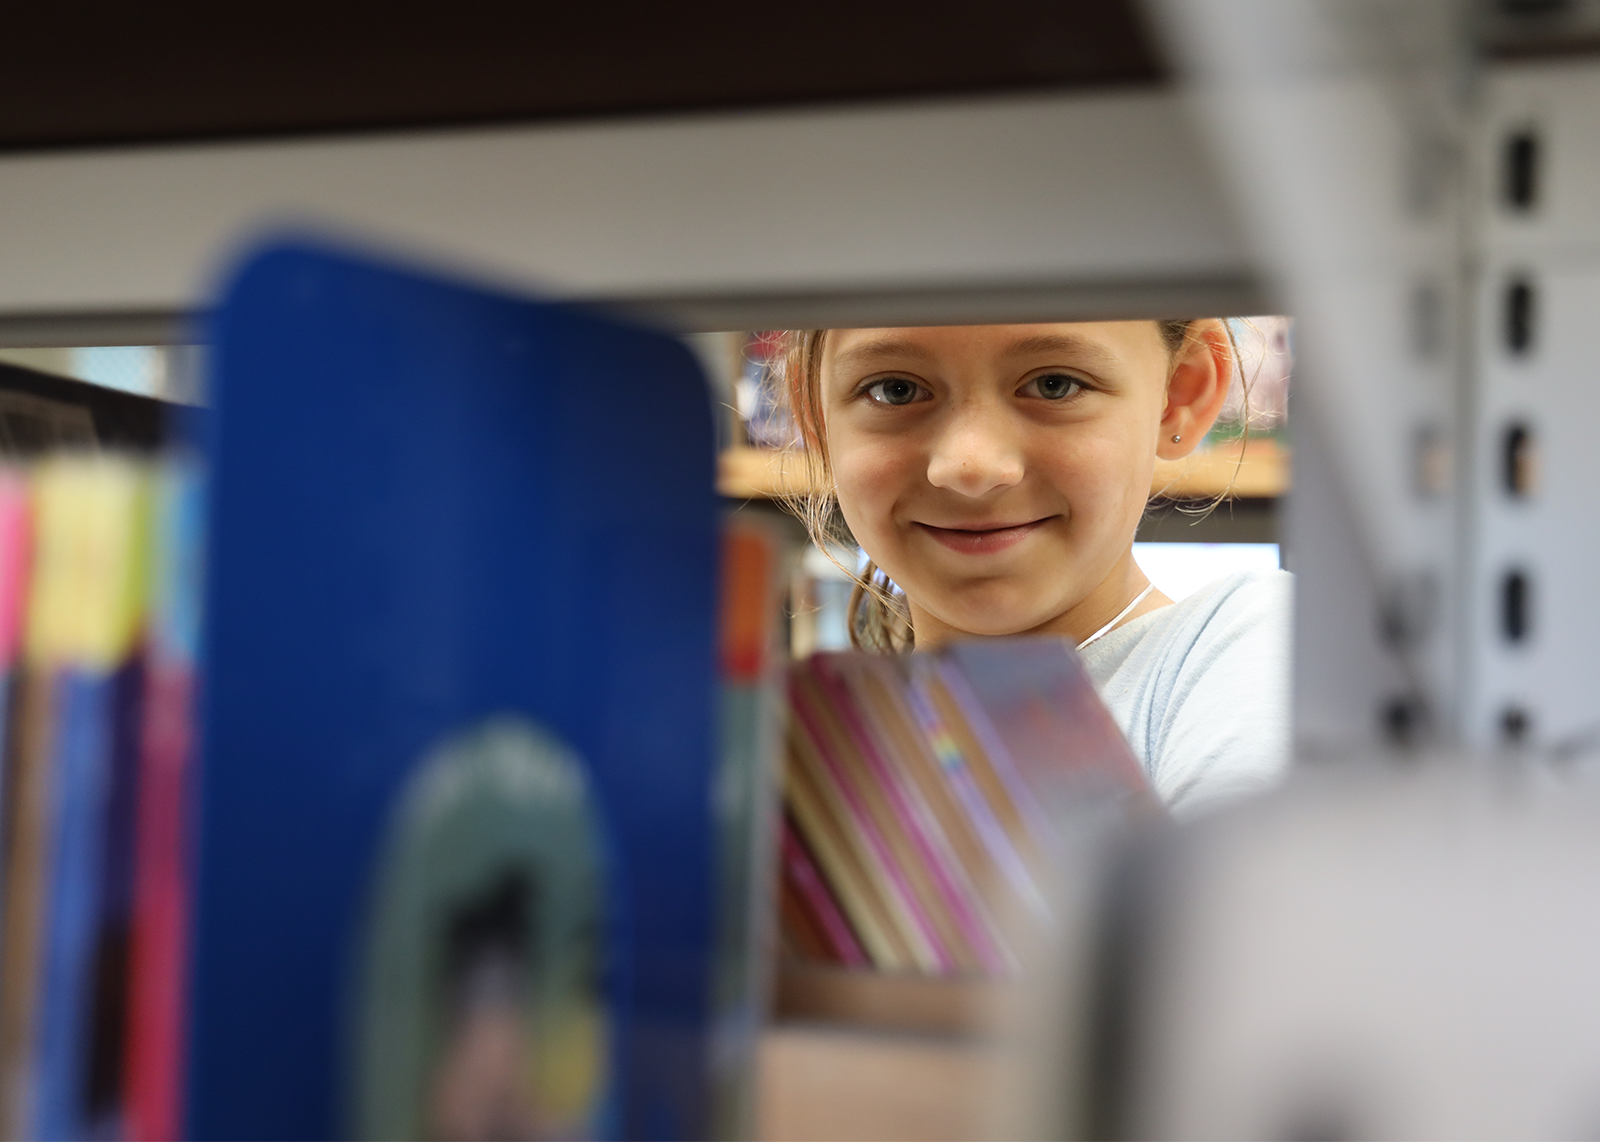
(975, 455)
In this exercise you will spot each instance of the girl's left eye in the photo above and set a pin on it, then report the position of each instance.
(1053, 386)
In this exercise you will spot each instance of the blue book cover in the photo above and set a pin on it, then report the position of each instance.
(85, 632)
(458, 715)
(78, 1058)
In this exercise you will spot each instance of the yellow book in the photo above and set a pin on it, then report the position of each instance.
(91, 561)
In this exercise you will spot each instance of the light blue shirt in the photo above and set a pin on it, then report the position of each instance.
(1201, 688)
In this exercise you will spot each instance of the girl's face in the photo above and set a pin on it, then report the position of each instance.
(998, 473)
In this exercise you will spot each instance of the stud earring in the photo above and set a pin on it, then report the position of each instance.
(1175, 439)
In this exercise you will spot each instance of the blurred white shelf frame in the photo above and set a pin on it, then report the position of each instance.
(1074, 205)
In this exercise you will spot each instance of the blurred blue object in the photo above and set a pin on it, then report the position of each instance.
(434, 504)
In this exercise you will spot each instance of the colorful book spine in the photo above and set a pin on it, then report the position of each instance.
(1052, 740)
(16, 555)
(926, 808)
(745, 811)
(857, 882)
(924, 852)
(25, 712)
(799, 936)
(982, 796)
(815, 907)
(97, 510)
(28, 837)
(967, 876)
(854, 801)
(153, 1080)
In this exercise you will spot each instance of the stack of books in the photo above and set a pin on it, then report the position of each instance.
(98, 620)
(928, 795)
(100, 588)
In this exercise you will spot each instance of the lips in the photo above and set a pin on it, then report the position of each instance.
(983, 539)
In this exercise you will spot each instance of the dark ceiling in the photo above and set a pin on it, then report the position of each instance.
(76, 75)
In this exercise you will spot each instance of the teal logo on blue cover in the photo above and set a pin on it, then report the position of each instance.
(482, 1011)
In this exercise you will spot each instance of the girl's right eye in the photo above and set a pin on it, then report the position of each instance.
(897, 391)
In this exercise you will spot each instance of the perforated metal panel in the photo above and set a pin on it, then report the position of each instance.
(1534, 620)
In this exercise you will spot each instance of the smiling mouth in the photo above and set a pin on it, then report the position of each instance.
(983, 540)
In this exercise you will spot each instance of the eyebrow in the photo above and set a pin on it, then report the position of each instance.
(1086, 351)
(882, 347)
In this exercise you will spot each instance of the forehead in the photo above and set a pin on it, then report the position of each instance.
(1101, 344)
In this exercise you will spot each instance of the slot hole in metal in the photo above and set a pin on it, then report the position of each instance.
(1516, 605)
(1522, 171)
(1519, 316)
(1515, 725)
(1519, 467)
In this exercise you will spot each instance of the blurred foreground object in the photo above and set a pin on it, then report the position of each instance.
(426, 647)
(1368, 954)
(1418, 182)
(1342, 129)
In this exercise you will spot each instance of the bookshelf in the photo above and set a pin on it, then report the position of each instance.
(828, 1082)
(848, 1053)
(808, 992)
(1258, 470)
(863, 1054)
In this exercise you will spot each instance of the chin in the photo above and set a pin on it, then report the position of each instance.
(992, 618)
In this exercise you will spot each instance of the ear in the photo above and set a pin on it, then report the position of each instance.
(1202, 369)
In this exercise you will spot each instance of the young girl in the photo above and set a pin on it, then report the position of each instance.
(995, 476)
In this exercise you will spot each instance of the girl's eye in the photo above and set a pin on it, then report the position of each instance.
(897, 390)
(1054, 386)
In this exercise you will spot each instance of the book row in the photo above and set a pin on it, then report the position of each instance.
(927, 796)
(99, 564)
(482, 1005)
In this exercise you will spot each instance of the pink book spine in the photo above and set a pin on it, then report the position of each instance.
(919, 826)
(862, 817)
(802, 872)
(154, 1079)
(16, 555)
(155, 1043)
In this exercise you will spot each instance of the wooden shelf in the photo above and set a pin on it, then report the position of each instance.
(759, 473)
(1261, 471)
(1258, 470)
(831, 1084)
(820, 993)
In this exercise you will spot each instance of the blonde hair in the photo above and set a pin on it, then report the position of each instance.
(878, 617)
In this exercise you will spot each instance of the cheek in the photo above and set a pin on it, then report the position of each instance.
(872, 474)
(1103, 472)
